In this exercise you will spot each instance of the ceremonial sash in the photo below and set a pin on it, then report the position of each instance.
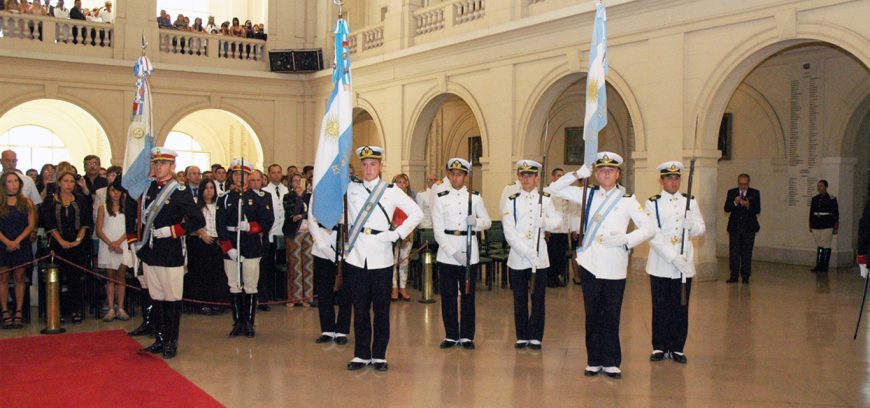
(365, 212)
(152, 210)
(597, 219)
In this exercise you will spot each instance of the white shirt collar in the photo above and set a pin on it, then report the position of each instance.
(371, 184)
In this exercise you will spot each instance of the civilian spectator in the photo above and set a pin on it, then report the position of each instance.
(194, 178)
(208, 175)
(206, 280)
(211, 27)
(60, 11)
(180, 24)
(181, 178)
(13, 6)
(67, 217)
(92, 181)
(76, 13)
(17, 222)
(403, 246)
(114, 254)
(164, 21)
(23, 7)
(299, 241)
(9, 160)
(108, 14)
(263, 35)
(33, 174)
(197, 26)
(249, 29)
(36, 9)
(236, 30)
(46, 179)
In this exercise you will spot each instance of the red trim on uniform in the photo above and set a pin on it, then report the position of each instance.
(255, 228)
(177, 231)
(226, 246)
(131, 238)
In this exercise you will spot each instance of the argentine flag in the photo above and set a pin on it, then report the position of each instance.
(331, 173)
(140, 137)
(596, 93)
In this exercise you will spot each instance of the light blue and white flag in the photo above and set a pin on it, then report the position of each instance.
(331, 172)
(140, 135)
(596, 92)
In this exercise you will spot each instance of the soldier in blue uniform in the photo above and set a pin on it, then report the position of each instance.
(256, 220)
(166, 212)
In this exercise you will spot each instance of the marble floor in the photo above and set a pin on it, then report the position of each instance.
(785, 340)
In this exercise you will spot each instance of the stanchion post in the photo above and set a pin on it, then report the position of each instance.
(52, 300)
(427, 277)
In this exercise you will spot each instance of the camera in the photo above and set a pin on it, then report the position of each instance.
(78, 177)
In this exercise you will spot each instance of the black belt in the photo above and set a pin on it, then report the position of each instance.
(335, 228)
(456, 232)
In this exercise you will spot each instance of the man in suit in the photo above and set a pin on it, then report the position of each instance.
(744, 205)
(194, 177)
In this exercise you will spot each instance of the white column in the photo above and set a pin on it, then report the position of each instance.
(840, 173)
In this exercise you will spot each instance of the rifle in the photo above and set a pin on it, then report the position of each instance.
(239, 222)
(538, 234)
(469, 231)
(683, 298)
(341, 238)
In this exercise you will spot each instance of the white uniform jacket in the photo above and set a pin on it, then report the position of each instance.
(370, 251)
(607, 262)
(569, 211)
(449, 211)
(520, 228)
(424, 200)
(278, 192)
(324, 239)
(667, 210)
(506, 192)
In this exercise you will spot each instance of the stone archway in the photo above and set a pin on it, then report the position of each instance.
(224, 134)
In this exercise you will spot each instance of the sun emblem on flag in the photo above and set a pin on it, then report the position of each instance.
(593, 89)
(332, 128)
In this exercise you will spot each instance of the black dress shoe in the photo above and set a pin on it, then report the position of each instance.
(657, 356)
(468, 345)
(615, 376)
(590, 373)
(446, 344)
(731, 280)
(381, 366)
(520, 346)
(323, 339)
(534, 346)
(745, 281)
(680, 358)
(340, 340)
(264, 307)
(353, 365)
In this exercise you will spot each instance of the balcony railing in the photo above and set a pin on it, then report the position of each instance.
(443, 16)
(44, 32)
(366, 39)
(190, 45)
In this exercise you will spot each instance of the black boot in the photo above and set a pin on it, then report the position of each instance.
(158, 325)
(826, 260)
(238, 321)
(820, 255)
(251, 306)
(172, 314)
(147, 326)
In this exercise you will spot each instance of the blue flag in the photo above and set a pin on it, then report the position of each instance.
(331, 165)
(140, 135)
(596, 92)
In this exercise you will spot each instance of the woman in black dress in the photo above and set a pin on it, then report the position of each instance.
(205, 279)
(17, 221)
(67, 218)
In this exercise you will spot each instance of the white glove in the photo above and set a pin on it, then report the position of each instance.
(459, 256)
(471, 221)
(233, 254)
(682, 264)
(244, 226)
(689, 223)
(163, 232)
(541, 223)
(387, 236)
(583, 172)
(531, 255)
(863, 270)
(615, 240)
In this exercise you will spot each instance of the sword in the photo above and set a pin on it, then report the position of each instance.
(861, 312)
(469, 231)
(540, 216)
(683, 296)
(239, 222)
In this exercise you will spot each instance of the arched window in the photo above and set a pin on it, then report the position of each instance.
(34, 146)
(189, 151)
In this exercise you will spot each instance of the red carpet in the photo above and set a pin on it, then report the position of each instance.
(99, 369)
